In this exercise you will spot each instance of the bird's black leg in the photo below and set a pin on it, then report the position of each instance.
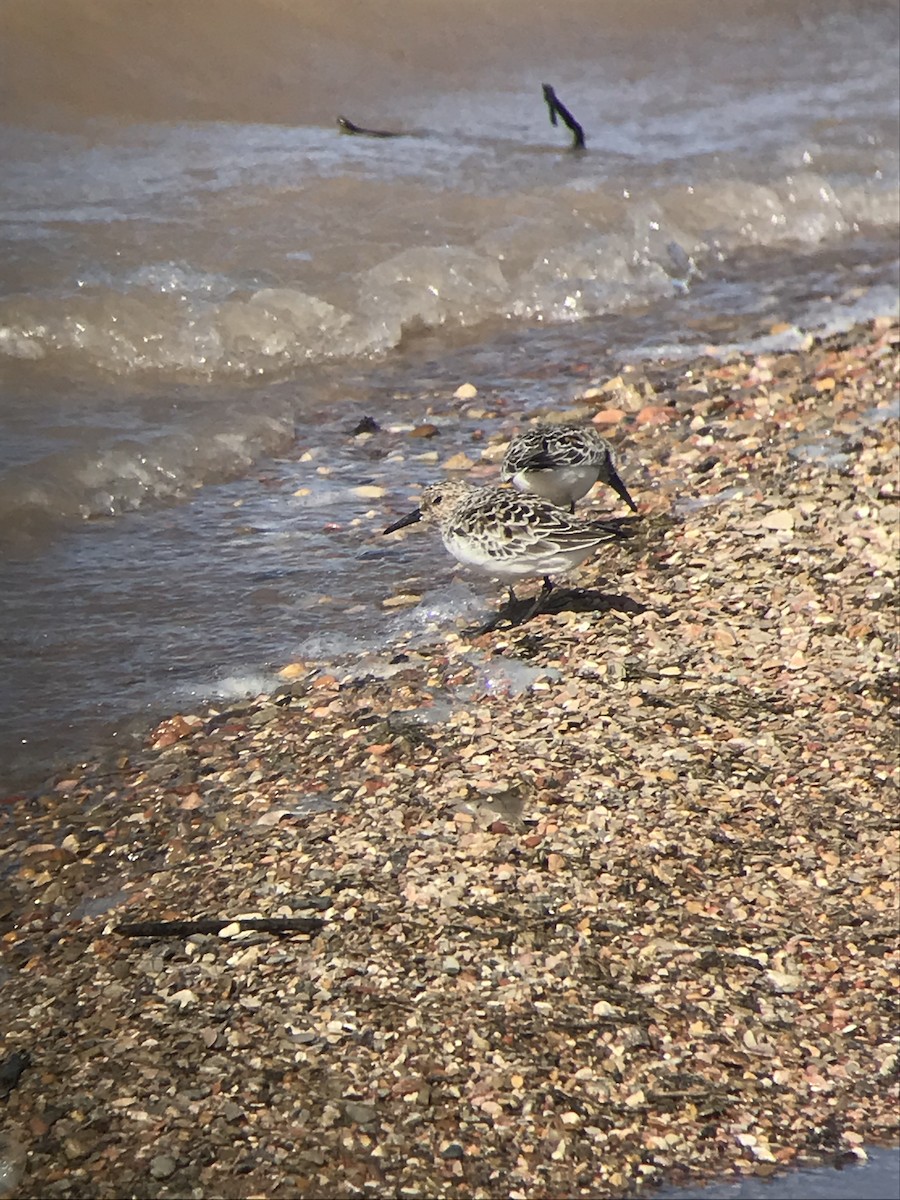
(507, 612)
(539, 601)
(503, 613)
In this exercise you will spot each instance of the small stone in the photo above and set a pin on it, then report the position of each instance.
(778, 518)
(293, 670)
(162, 1166)
(315, 1156)
(263, 716)
(466, 391)
(274, 816)
(184, 998)
(608, 416)
(611, 385)
(453, 1150)
(424, 431)
(404, 599)
(172, 730)
(458, 462)
(360, 1114)
(656, 414)
(370, 491)
(783, 982)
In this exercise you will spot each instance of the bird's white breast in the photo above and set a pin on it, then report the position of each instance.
(561, 485)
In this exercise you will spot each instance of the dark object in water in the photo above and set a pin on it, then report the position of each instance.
(366, 425)
(11, 1069)
(347, 126)
(559, 110)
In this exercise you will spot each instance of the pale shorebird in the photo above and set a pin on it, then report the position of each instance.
(562, 463)
(508, 535)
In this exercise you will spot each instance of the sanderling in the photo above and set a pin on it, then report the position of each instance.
(562, 463)
(508, 535)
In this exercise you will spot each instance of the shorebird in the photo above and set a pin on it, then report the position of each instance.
(509, 536)
(562, 463)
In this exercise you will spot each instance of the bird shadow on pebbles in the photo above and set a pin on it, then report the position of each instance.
(559, 600)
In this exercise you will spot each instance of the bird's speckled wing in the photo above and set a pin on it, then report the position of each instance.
(547, 448)
(507, 525)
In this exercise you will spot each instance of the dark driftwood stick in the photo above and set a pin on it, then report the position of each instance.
(155, 929)
(347, 126)
(558, 109)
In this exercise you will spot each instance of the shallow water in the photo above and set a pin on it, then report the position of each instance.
(207, 592)
(878, 1178)
(204, 287)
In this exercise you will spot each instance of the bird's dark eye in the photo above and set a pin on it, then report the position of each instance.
(437, 499)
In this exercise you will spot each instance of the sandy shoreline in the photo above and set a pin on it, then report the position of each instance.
(639, 915)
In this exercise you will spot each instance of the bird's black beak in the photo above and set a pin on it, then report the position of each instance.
(612, 478)
(409, 519)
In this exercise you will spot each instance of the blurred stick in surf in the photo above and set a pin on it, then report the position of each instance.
(559, 110)
(556, 107)
(347, 126)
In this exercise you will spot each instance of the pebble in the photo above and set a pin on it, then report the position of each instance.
(402, 600)
(656, 414)
(294, 670)
(779, 518)
(162, 1166)
(458, 462)
(361, 1114)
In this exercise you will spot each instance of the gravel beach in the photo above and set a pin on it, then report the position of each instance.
(626, 915)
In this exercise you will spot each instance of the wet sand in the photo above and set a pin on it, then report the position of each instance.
(630, 918)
